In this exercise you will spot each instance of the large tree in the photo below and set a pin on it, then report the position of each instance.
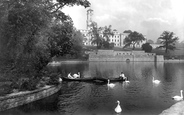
(168, 39)
(77, 41)
(24, 25)
(94, 32)
(133, 38)
(100, 36)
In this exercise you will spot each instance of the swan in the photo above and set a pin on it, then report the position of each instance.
(69, 76)
(155, 81)
(127, 81)
(60, 80)
(76, 75)
(178, 98)
(118, 108)
(111, 85)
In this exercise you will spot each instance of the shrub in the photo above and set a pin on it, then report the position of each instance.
(147, 47)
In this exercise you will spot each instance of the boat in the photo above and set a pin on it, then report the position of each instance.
(94, 79)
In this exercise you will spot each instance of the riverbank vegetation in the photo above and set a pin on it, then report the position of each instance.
(32, 32)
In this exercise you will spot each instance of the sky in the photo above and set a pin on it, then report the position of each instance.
(149, 17)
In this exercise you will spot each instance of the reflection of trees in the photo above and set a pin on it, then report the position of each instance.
(143, 69)
(99, 95)
(107, 69)
(78, 96)
(71, 94)
(170, 70)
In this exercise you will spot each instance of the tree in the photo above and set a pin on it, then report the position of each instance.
(100, 36)
(168, 39)
(94, 32)
(107, 33)
(59, 38)
(133, 38)
(147, 47)
(77, 41)
(24, 24)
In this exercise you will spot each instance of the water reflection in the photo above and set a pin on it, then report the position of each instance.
(140, 96)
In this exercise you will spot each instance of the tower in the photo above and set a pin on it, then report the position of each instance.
(89, 18)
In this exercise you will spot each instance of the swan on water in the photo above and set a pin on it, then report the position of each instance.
(178, 98)
(70, 76)
(118, 108)
(60, 80)
(111, 85)
(76, 75)
(155, 81)
(126, 80)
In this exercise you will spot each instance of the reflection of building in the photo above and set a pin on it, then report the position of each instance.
(117, 38)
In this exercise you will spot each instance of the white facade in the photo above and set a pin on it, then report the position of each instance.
(117, 38)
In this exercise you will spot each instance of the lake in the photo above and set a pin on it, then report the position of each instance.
(139, 97)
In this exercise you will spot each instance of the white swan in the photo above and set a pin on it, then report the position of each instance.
(118, 108)
(155, 81)
(60, 80)
(126, 80)
(76, 75)
(178, 98)
(70, 76)
(111, 85)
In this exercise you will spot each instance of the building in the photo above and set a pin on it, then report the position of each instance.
(117, 38)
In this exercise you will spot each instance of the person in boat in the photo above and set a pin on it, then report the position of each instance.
(122, 76)
(70, 76)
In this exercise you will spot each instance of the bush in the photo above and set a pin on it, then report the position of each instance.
(147, 47)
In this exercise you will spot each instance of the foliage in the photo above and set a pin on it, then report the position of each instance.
(168, 39)
(133, 38)
(94, 32)
(100, 36)
(77, 41)
(147, 47)
(59, 39)
(32, 32)
(107, 32)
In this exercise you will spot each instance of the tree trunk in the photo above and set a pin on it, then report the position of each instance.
(133, 47)
(166, 50)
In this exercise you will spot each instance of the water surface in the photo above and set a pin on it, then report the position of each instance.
(139, 97)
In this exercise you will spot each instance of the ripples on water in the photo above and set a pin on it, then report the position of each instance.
(139, 97)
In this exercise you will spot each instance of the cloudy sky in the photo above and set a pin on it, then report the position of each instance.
(149, 17)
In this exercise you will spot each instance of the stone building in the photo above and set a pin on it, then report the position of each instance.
(117, 38)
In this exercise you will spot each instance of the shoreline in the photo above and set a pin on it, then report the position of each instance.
(82, 61)
(20, 98)
(176, 109)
